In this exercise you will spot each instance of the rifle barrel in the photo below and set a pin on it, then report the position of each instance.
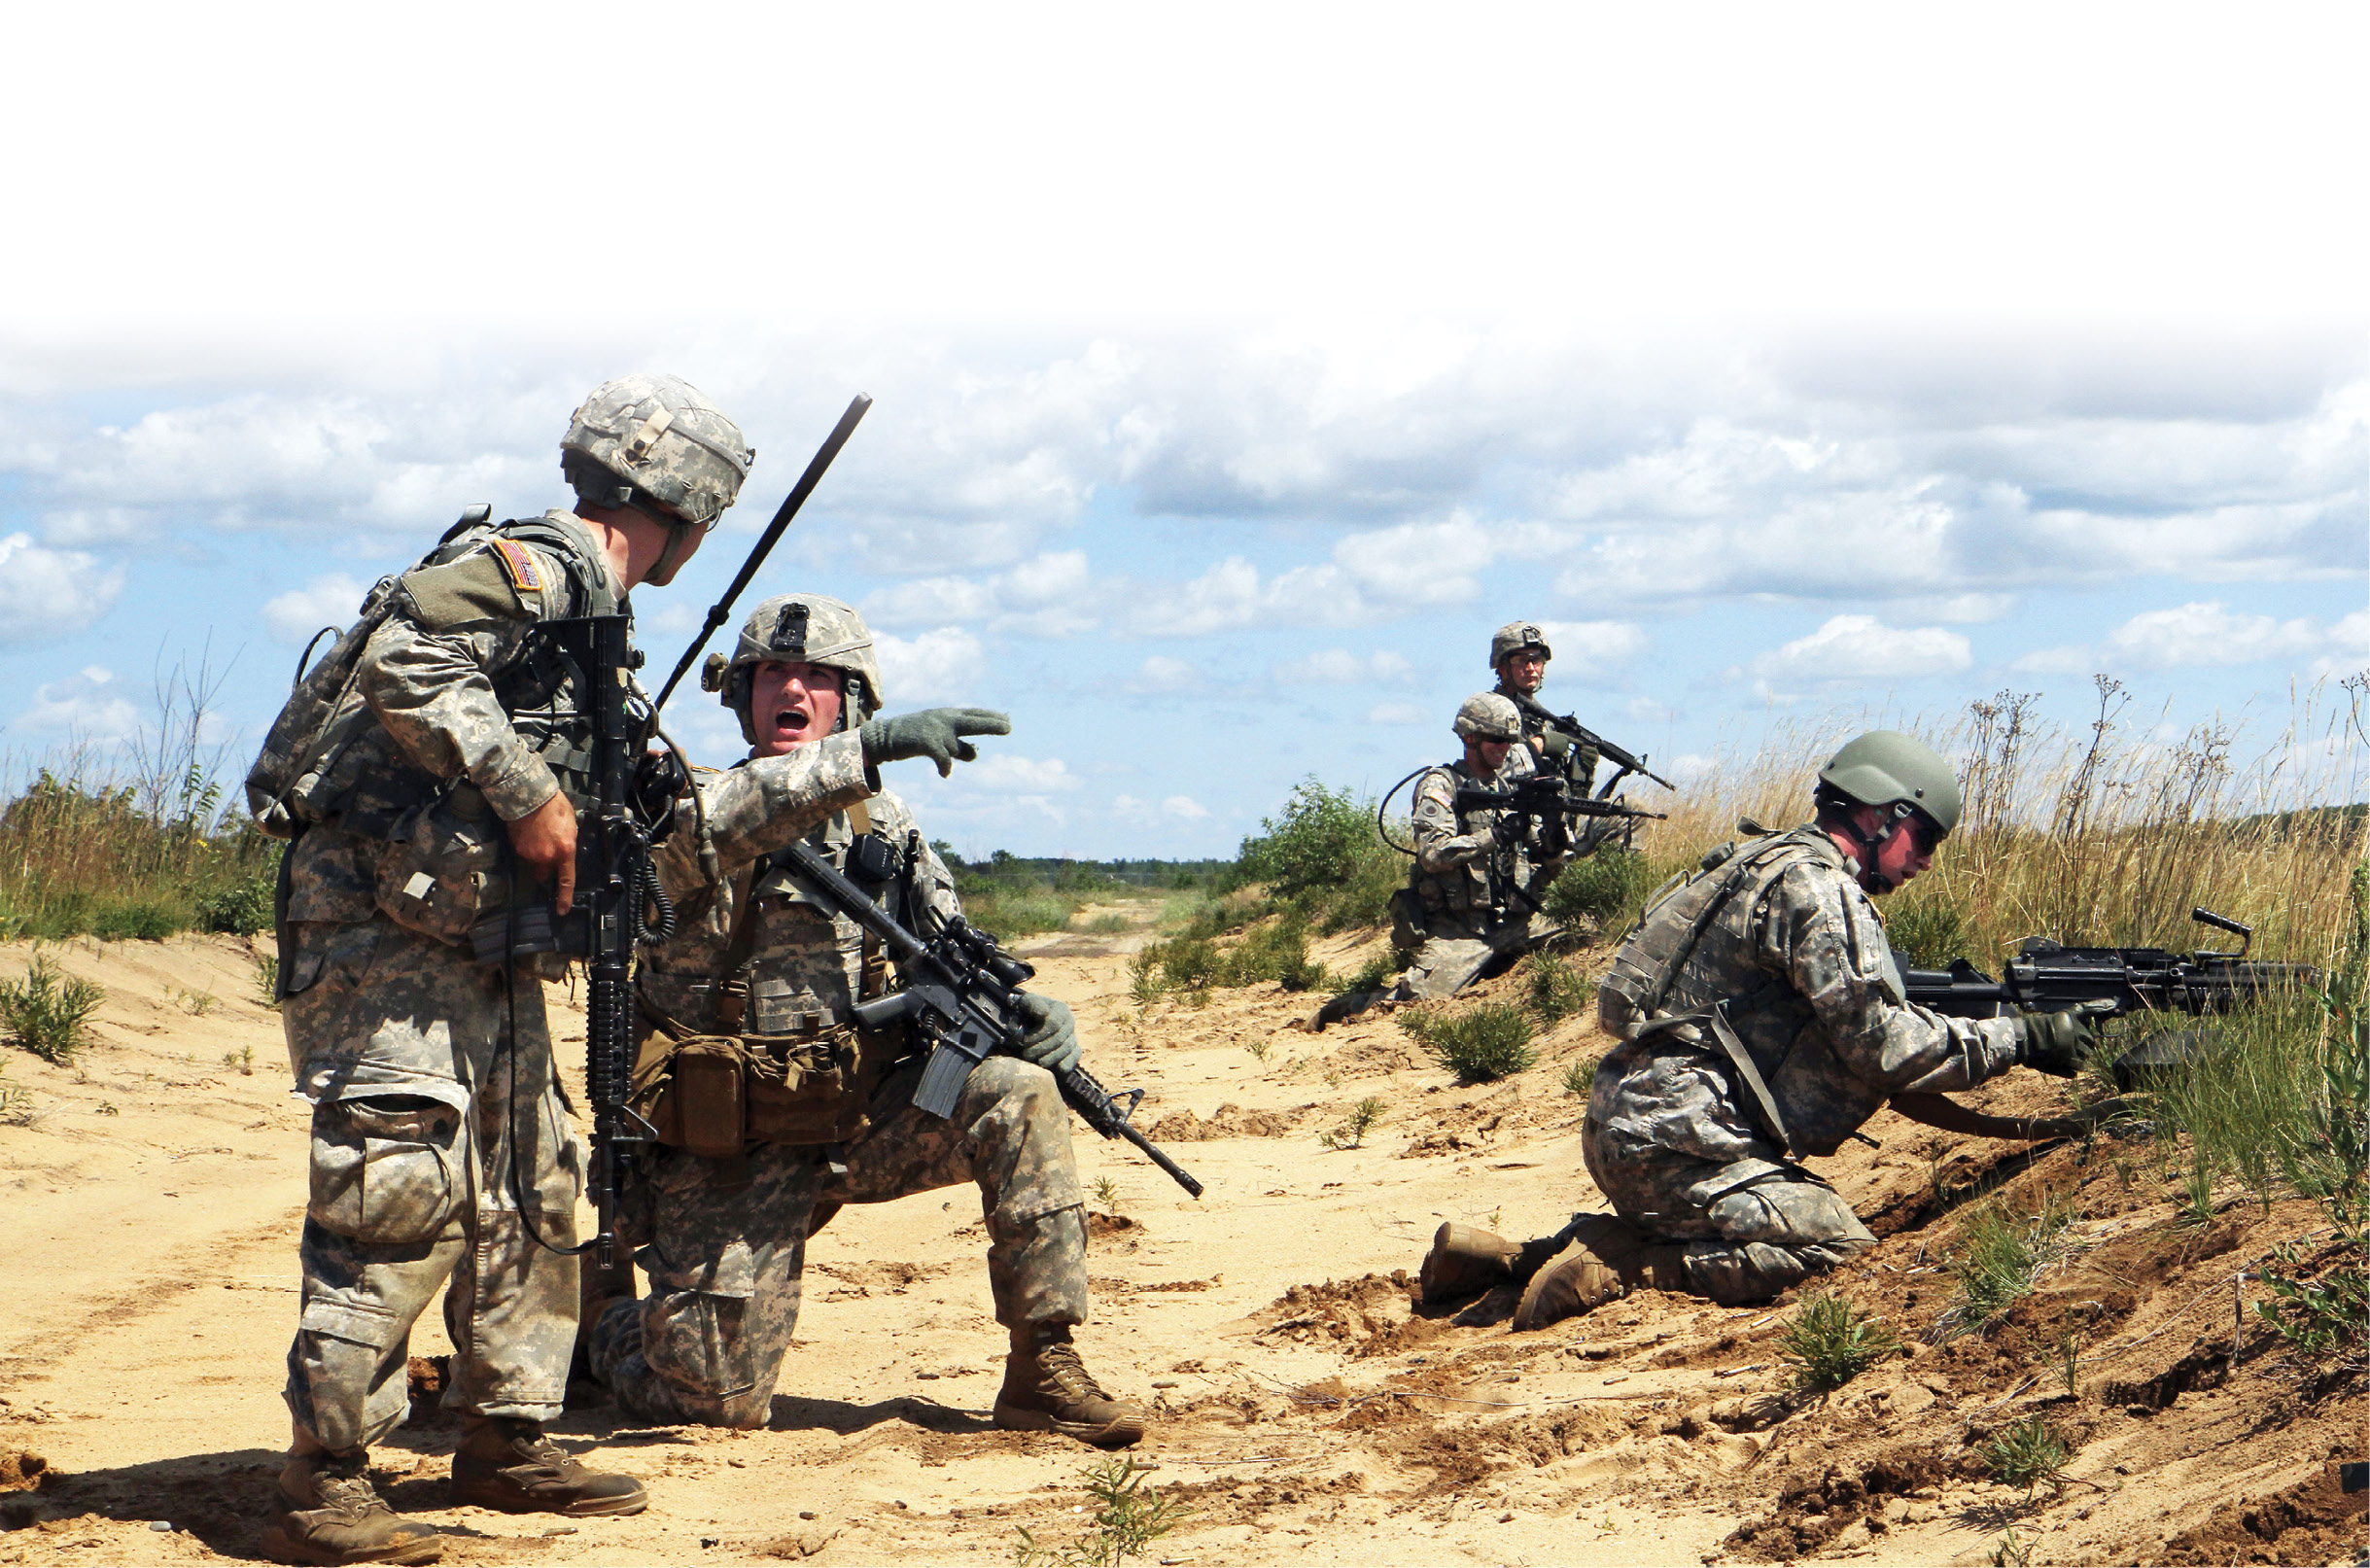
(797, 498)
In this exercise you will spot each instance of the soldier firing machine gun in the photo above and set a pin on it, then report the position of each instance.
(961, 995)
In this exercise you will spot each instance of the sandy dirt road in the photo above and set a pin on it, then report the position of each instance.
(1307, 1409)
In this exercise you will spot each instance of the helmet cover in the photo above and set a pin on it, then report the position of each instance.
(1515, 636)
(661, 435)
(801, 629)
(1488, 716)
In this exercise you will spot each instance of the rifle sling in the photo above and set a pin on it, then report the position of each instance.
(1742, 1061)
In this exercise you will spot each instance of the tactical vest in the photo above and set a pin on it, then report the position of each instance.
(1482, 888)
(1687, 968)
(747, 1057)
(316, 759)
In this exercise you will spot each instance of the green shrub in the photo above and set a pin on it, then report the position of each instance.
(1188, 963)
(1830, 1343)
(1579, 1076)
(1278, 951)
(1129, 1516)
(47, 1011)
(1927, 933)
(2327, 1317)
(1374, 974)
(1311, 844)
(1353, 1129)
(2025, 1454)
(1998, 1255)
(1012, 912)
(1608, 889)
(1479, 1045)
(243, 908)
(1553, 989)
(137, 919)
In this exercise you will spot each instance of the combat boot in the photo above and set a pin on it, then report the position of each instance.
(1342, 1008)
(338, 1516)
(1047, 1388)
(1465, 1261)
(1606, 1261)
(508, 1464)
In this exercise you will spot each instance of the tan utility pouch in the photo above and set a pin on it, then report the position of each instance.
(715, 1094)
(443, 861)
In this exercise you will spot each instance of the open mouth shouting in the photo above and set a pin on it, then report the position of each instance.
(793, 705)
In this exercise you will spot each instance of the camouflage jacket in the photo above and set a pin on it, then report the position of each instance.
(1547, 753)
(1460, 867)
(443, 677)
(1778, 935)
(806, 966)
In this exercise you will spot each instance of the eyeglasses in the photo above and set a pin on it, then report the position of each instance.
(1927, 832)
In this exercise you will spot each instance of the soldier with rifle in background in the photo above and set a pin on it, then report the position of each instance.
(1761, 1020)
(431, 770)
(780, 1090)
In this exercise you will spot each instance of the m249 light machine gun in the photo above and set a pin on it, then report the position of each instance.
(961, 995)
(2048, 977)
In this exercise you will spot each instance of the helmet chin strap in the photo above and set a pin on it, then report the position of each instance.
(1872, 880)
(674, 535)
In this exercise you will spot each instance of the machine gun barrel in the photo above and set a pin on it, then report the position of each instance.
(2046, 976)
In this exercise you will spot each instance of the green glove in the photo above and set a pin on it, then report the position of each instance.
(2054, 1043)
(936, 733)
(1052, 1040)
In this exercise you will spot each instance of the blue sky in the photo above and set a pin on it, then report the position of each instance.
(1209, 493)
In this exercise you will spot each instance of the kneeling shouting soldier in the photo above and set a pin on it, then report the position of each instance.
(1762, 1020)
(774, 1106)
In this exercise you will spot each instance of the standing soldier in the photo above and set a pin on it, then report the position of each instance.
(1519, 655)
(1761, 1020)
(775, 1107)
(430, 753)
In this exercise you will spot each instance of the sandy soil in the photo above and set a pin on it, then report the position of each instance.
(1307, 1409)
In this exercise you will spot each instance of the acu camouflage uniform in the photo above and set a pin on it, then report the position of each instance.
(726, 1237)
(436, 1108)
(1770, 965)
(1474, 901)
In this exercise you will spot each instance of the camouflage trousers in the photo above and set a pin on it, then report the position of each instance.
(1455, 950)
(727, 1239)
(430, 1126)
(1751, 1228)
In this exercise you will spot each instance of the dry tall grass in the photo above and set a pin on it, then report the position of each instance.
(2107, 834)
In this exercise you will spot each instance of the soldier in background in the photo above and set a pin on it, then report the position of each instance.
(758, 986)
(1470, 904)
(1518, 655)
(447, 762)
(1761, 1020)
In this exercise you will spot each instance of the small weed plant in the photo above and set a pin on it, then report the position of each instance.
(1129, 1516)
(1579, 1076)
(1830, 1343)
(48, 1011)
(2325, 1317)
(1606, 890)
(267, 980)
(15, 1101)
(2028, 1454)
(1106, 1192)
(1554, 988)
(197, 1004)
(1479, 1045)
(1374, 974)
(1999, 1256)
(2010, 1551)
(241, 1059)
(1353, 1129)
(1108, 924)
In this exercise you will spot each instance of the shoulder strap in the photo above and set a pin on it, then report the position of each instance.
(1760, 865)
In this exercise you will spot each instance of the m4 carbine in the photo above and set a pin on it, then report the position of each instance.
(962, 994)
(1544, 803)
(1625, 762)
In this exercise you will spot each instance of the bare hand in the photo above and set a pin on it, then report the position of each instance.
(545, 843)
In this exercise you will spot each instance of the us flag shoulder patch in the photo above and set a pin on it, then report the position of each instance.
(526, 576)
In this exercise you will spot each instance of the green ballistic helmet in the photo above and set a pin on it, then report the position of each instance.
(1488, 716)
(660, 436)
(800, 628)
(1515, 636)
(1887, 768)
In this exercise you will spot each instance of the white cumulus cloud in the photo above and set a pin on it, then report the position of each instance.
(2206, 635)
(1860, 647)
(1159, 674)
(1053, 595)
(296, 615)
(45, 592)
(1004, 774)
(86, 706)
(1397, 712)
(937, 666)
(1338, 667)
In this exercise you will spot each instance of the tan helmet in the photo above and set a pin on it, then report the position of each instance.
(801, 628)
(660, 436)
(1513, 637)
(1488, 716)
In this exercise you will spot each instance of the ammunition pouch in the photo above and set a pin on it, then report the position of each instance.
(441, 860)
(714, 1095)
(1409, 922)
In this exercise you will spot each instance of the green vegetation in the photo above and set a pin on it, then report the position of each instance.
(1322, 859)
(1577, 1075)
(2000, 1253)
(2027, 1454)
(1275, 951)
(1926, 930)
(47, 1011)
(128, 862)
(1479, 1045)
(15, 1101)
(1555, 987)
(1607, 890)
(1014, 895)
(267, 980)
(1830, 1343)
(1129, 1516)
(1353, 1129)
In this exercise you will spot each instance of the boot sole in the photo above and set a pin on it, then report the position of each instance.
(1120, 1434)
(590, 1508)
(278, 1546)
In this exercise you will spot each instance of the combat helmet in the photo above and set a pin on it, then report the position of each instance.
(1515, 636)
(1899, 773)
(1488, 716)
(800, 628)
(656, 439)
